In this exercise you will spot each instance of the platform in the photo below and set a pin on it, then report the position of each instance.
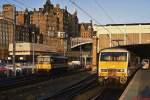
(139, 87)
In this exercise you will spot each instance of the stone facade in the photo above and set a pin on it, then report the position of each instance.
(8, 15)
(49, 25)
(86, 30)
(5, 36)
(6, 29)
(52, 20)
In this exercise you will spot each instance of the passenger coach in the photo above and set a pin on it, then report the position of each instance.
(48, 63)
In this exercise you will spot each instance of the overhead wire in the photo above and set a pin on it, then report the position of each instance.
(106, 13)
(15, 5)
(89, 15)
(109, 32)
(19, 2)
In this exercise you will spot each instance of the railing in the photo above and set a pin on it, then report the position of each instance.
(78, 41)
(78, 54)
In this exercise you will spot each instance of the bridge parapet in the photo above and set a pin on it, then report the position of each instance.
(79, 41)
(78, 54)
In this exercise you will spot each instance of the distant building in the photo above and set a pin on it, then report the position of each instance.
(23, 17)
(57, 23)
(8, 15)
(28, 34)
(73, 25)
(86, 30)
(6, 31)
(53, 20)
(49, 25)
(8, 11)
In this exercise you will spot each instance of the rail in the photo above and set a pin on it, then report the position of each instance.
(74, 90)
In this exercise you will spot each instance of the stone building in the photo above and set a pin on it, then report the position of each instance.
(53, 20)
(86, 30)
(74, 25)
(23, 17)
(5, 36)
(49, 25)
(26, 32)
(6, 29)
(57, 23)
(8, 11)
(8, 15)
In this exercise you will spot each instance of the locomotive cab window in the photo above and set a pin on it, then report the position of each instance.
(113, 56)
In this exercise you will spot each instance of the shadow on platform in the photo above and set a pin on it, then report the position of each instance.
(145, 93)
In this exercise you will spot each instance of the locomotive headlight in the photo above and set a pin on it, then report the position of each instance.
(121, 70)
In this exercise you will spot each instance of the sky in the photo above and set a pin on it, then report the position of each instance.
(121, 11)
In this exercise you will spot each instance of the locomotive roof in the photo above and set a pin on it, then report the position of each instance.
(51, 56)
(114, 50)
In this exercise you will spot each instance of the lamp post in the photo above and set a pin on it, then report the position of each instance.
(65, 43)
(64, 47)
(14, 40)
(80, 54)
(85, 60)
(38, 39)
(33, 42)
(94, 53)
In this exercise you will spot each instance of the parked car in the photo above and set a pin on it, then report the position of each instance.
(10, 68)
(3, 70)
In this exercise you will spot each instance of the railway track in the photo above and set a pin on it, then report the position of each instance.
(43, 89)
(14, 82)
(108, 94)
(104, 92)
(74, 90)
(21, 81)
(110, 91)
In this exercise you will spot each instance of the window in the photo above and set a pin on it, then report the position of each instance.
(113, 56)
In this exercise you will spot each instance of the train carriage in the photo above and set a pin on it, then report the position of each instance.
(117, 63)
(48, 63)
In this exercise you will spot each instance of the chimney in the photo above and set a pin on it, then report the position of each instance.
(65, 7)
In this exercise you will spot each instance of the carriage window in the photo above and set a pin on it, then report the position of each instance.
(113, 56)
(43, 60)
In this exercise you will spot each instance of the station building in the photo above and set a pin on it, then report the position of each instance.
(112, 35)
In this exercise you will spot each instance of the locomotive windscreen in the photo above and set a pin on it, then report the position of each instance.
(113, 56)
